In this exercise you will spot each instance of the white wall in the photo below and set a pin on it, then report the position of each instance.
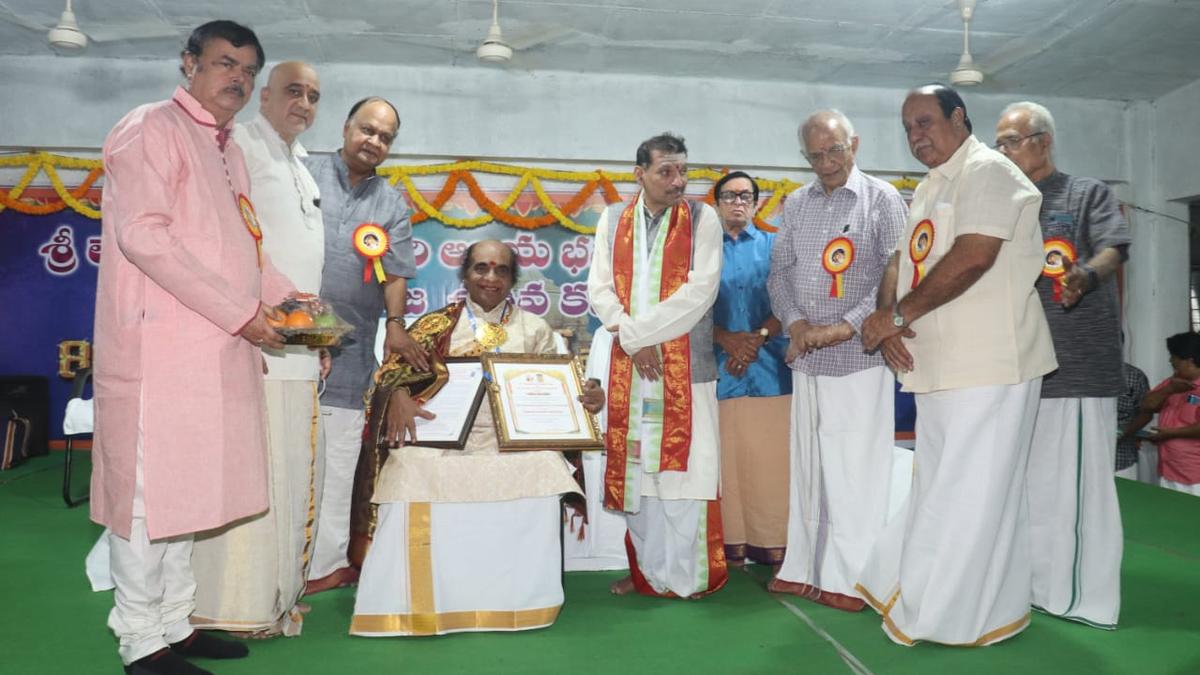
(537, 116)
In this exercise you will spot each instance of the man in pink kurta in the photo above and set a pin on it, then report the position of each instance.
(180, 319)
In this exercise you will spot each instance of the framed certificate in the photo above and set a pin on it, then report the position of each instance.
(455, 406)
(535, 403)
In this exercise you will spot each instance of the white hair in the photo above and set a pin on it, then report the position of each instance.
(1040, 119)
(821, 118)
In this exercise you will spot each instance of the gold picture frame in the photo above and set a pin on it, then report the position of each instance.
(535, 405)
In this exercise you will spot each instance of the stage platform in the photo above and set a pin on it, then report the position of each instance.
(52, 623)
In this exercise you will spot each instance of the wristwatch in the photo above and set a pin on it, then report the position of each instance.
(1092, 276)
(396, 319)
(764, 332)
(897, 317)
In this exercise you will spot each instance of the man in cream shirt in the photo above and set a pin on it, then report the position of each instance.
(250, 576)
(968, 336)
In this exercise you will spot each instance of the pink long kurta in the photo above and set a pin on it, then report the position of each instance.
(179, 275)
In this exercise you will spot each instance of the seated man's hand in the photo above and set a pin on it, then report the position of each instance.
(592, 397)
(400, 419)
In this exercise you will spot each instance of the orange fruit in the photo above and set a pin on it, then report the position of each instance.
(276, 318)
(299, 319)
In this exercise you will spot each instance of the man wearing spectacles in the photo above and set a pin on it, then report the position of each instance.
(653, 280)
(960, 319)
(754, 384)
(837, 235)
(1074, 516)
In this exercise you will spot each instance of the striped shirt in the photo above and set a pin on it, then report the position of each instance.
(871, 214)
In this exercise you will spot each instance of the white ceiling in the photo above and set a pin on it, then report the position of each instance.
(1105, 49)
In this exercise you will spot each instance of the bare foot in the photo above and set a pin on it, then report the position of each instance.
(303, 607)
(623, 586)
(264, 634)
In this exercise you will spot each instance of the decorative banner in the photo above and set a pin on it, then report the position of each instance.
(371, 242)
(838, 256)
(251, 219)
(1058, 251)
(919, 248)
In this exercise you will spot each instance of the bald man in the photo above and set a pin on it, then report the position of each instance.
(250, 576)
(352, 195)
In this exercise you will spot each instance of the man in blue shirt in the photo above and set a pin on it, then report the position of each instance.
(754, 386)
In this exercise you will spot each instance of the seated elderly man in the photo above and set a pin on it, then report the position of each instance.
(464, 540)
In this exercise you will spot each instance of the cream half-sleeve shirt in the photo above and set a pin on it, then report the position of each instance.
(996, 331)
(286, 198)
(677, 314)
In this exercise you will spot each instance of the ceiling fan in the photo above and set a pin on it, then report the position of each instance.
(68, 39)
(966, 74)
(496, 50)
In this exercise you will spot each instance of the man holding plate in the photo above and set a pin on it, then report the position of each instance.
(464, 539)
(368, 261)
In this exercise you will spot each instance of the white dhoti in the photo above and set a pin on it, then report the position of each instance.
(459, 567)
(343, 441)
(843, 431)
(1074, 517)
(955, 567)
(675, 542)
(251, 573)
(1193, 489)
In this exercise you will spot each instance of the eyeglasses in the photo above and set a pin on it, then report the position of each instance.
(834, 152)
(1011, 144)
(732, 197)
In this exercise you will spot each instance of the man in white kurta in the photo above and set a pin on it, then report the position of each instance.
(663, 463)
(464, 540)
(969, 338)
(250, 575)
(843, 426)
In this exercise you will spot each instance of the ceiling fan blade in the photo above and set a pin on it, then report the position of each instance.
(9, 16)
(538, 35)
(133, 30)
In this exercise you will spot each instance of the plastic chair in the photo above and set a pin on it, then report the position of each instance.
(80, 430)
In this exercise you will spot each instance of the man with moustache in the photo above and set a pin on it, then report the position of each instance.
(361, 279)
(753, 384)
(181, 319)
(654, 276)
(837, 236)
(250, 576)
(961, 323)
(1074, 516)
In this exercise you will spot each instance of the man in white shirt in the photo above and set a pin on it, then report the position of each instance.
(960, 321)
(653, 280)
(250, 575)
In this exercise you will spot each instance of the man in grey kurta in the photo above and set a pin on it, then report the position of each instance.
(1074, 517)
(352, 195)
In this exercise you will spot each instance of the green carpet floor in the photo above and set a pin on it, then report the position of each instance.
(51, 623)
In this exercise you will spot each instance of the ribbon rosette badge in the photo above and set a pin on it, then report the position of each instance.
(919, 248)
(371, 242)
(838, 255)
(251, 219)
(1058, 252)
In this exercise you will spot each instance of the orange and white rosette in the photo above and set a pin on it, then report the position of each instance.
(836, 258)
(1058, 252)
(371, 242)
(250, 218)
(919, 248)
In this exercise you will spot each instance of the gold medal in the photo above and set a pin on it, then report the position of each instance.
(491, 335)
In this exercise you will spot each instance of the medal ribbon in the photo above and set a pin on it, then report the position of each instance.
(250, 218)
(917, 251)
(1055, 272)
(846, 247)
(373, 251)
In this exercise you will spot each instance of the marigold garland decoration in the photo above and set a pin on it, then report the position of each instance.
(457, 173)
